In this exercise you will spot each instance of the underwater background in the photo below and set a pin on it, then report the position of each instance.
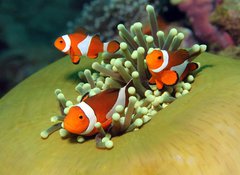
(196, 134)
(28, 29)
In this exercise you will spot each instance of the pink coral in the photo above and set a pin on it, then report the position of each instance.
(198, 12)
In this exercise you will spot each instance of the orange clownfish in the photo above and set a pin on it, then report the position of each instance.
(98, 108)
(79, 44)
(167, 68)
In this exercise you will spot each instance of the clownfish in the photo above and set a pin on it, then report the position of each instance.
(167, 68)
(98, 108)
(79, 44)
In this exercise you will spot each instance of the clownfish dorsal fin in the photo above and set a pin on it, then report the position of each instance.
(97, 36)
(181, 54)
(81, 31)
(85, 96)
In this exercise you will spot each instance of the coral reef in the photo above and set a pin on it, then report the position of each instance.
(118, 69)
(198, 13)
(105, 19)
(226, 16)
(233, 52)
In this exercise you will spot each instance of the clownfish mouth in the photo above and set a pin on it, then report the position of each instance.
(70, 129)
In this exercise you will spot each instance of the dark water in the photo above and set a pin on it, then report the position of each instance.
(27, 32)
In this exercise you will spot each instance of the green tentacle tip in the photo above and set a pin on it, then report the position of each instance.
(144, 110)
(132, 99)
(98, 125)
(135, 74)
(138, 122)
(131, 90)
(123, 46)
(44, 134)
(87, 71)
(116, 116)
(54, 119)
(109, 144)
(128, 64)
(60, 96)
(95, 65)
(58, 91)
(141, 50)
(120, 27)
(119, 108)
(147, 93)
(160, 33)
(149, 39)
(203, 48)
(180, 36)
(63, 132)
(66, 110)
(187, 86)
(173, 32)
(150, 8)
(185, 92)
(69, 103)
(134, 54)
(190, 78)
(195, 48)
(80, 139)
(137, 25)
(117, 63)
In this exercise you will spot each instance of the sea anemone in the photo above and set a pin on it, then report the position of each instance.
(115, 70)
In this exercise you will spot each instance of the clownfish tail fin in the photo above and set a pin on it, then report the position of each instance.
(112, 46)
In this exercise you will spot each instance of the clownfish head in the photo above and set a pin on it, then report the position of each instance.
(157, 60)
(76, 121)
(63, 43)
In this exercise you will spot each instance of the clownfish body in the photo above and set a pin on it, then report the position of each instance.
(99, 108)
(167, 68)
(81, 44)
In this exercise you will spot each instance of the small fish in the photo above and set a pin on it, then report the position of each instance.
(167, 68)
(79, 44)
(98, 108)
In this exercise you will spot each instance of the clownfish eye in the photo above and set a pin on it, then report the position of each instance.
(159, 57)
(61, 41)
(81, 117)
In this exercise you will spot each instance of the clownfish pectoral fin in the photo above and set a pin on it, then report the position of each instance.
(81, 31)
(159, 84)
(85, 96)
(74, 58)
(93, 56)
(169, 77)
(152, 80)
(97, 36)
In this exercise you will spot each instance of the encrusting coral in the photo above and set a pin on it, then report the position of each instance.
(104, 20)
(198, 12)
(115, 70)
